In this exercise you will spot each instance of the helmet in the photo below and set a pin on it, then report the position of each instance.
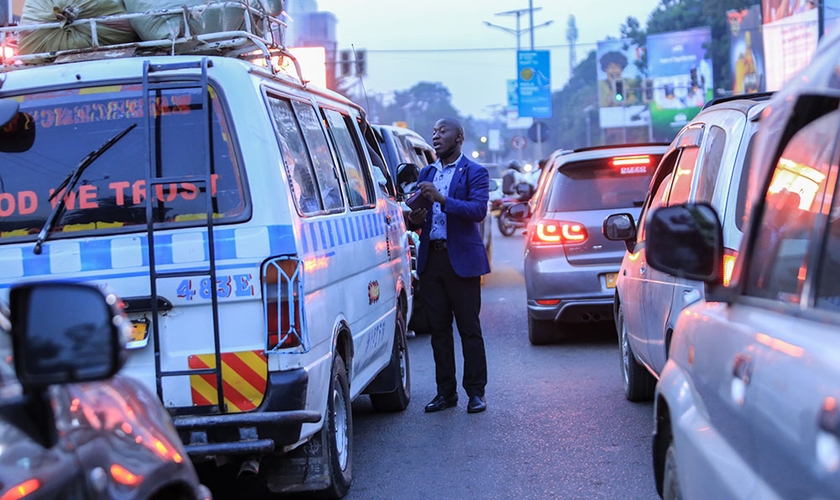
(515, 165)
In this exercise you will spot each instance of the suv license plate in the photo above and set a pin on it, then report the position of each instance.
(610, 278)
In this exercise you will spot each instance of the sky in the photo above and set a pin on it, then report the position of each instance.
(447, 41)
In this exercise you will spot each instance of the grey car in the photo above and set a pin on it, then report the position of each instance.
(747, 403)
(570, 267)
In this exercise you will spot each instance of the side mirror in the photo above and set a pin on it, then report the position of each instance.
(520, 211)
(686, 241)
(65, 332)
(407, 175)
(621, 227)
(494, 185)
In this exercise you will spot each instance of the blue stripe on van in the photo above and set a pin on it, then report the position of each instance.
(98, 253)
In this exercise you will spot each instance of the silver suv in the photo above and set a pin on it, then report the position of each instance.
(704, 163)
(747, 403)
(570, 268)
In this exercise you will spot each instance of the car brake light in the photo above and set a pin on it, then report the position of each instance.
(729, 257)
(283, 303)
(21, 490)
(623, 161)
(551, 232)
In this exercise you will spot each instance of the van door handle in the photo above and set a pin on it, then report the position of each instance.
(741, 372)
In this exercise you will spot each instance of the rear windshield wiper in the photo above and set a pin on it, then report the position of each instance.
(69, 183)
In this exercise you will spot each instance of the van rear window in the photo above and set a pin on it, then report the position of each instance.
(54, 132)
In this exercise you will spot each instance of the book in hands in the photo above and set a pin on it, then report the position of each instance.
(417, 201)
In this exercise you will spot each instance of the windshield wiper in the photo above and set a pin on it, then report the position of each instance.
(69, 183)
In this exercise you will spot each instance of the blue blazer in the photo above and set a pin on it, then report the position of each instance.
(465, 208)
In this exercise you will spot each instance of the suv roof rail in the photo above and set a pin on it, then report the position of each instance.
(260, 38)
(758, 96)
(611, 146)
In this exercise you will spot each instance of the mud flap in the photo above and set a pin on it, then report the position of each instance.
(304, 469)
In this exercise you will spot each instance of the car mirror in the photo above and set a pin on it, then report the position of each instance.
(65, 332)
(407, 175)
(619, 227)
(686, 241)
(494, 184)
(519, 211)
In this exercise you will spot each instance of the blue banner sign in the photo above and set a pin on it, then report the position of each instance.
(534, 81)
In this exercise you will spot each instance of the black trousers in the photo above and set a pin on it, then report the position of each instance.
(446, 295)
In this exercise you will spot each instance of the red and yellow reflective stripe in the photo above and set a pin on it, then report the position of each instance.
(243, 380)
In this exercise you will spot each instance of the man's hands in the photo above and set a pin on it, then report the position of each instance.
(428, 190)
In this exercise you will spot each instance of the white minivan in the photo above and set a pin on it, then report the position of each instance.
(236, 210)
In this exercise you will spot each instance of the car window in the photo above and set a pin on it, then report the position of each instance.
(322, 159)
(659, 198)
(358, 182)
(683, 176)
(712, 156)
(598, 184)
(779, 264)
(295, 158)
(741, 204)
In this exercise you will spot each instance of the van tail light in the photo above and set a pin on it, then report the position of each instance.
(282, 287)
(551, 232)
(729, 257)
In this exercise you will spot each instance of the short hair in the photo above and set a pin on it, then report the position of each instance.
(452, 122)
(613, 57)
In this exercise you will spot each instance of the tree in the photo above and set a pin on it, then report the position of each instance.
(421, 106)
(572, 105)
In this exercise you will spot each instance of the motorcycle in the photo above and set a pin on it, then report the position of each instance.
(507, 224)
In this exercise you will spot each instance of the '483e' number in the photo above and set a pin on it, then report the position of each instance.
(238, 285)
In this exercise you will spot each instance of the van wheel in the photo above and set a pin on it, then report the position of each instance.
(337, 433)
(639, 384)
(398, 399)
(541, 332)
(670, 480)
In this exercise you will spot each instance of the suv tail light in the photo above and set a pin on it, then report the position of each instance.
(729, 257)
(282, 287)
(551, 232)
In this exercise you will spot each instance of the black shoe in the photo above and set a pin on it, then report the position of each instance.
(441, 403)
(477, 404)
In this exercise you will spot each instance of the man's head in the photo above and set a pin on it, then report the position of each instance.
(447, 139)
(613, 64)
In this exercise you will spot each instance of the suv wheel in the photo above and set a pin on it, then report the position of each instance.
(639, 384)
(671, 481)
(540, 332)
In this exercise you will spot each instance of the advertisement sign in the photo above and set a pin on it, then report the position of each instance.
(514, 121)
(790, 39)
(620, 85)
(682, 79)
(534, 79)
(746, 50)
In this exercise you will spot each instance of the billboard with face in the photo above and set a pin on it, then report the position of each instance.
(620, 85)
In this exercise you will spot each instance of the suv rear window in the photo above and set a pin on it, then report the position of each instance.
(110, 193)
(599, 184)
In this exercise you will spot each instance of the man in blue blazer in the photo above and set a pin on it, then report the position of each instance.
(451, 261)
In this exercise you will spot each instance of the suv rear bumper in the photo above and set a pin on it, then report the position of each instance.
(276, 423)
(581, 310)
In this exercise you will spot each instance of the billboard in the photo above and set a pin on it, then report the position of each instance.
(746, 48)
(514, 121)
(682, 79)
(534, 80)
(790, 39)
(620, 85)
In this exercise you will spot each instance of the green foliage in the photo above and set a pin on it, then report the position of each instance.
(569, 124)
(421, 106)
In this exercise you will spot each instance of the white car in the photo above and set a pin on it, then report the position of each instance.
(747, 403)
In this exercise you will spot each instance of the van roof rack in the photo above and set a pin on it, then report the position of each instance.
(260, 38)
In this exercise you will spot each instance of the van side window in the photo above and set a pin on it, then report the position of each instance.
(295, 159)
(322, 159)
(712, 156)
(779, 266)
(683, 175)
(359, 185)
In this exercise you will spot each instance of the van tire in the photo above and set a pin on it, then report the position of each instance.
(337, 432)
(671, 480)
(400, 397)
(639, 384)
(541, 332)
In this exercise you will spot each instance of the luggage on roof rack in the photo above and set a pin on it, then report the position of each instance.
(76, 31)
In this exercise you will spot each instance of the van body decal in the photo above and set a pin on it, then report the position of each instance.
(62, 257)
(326, 234)
(243, 380)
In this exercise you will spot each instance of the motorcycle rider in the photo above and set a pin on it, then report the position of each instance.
(512, 177)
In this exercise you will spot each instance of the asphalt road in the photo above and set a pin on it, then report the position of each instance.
(557, 424)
